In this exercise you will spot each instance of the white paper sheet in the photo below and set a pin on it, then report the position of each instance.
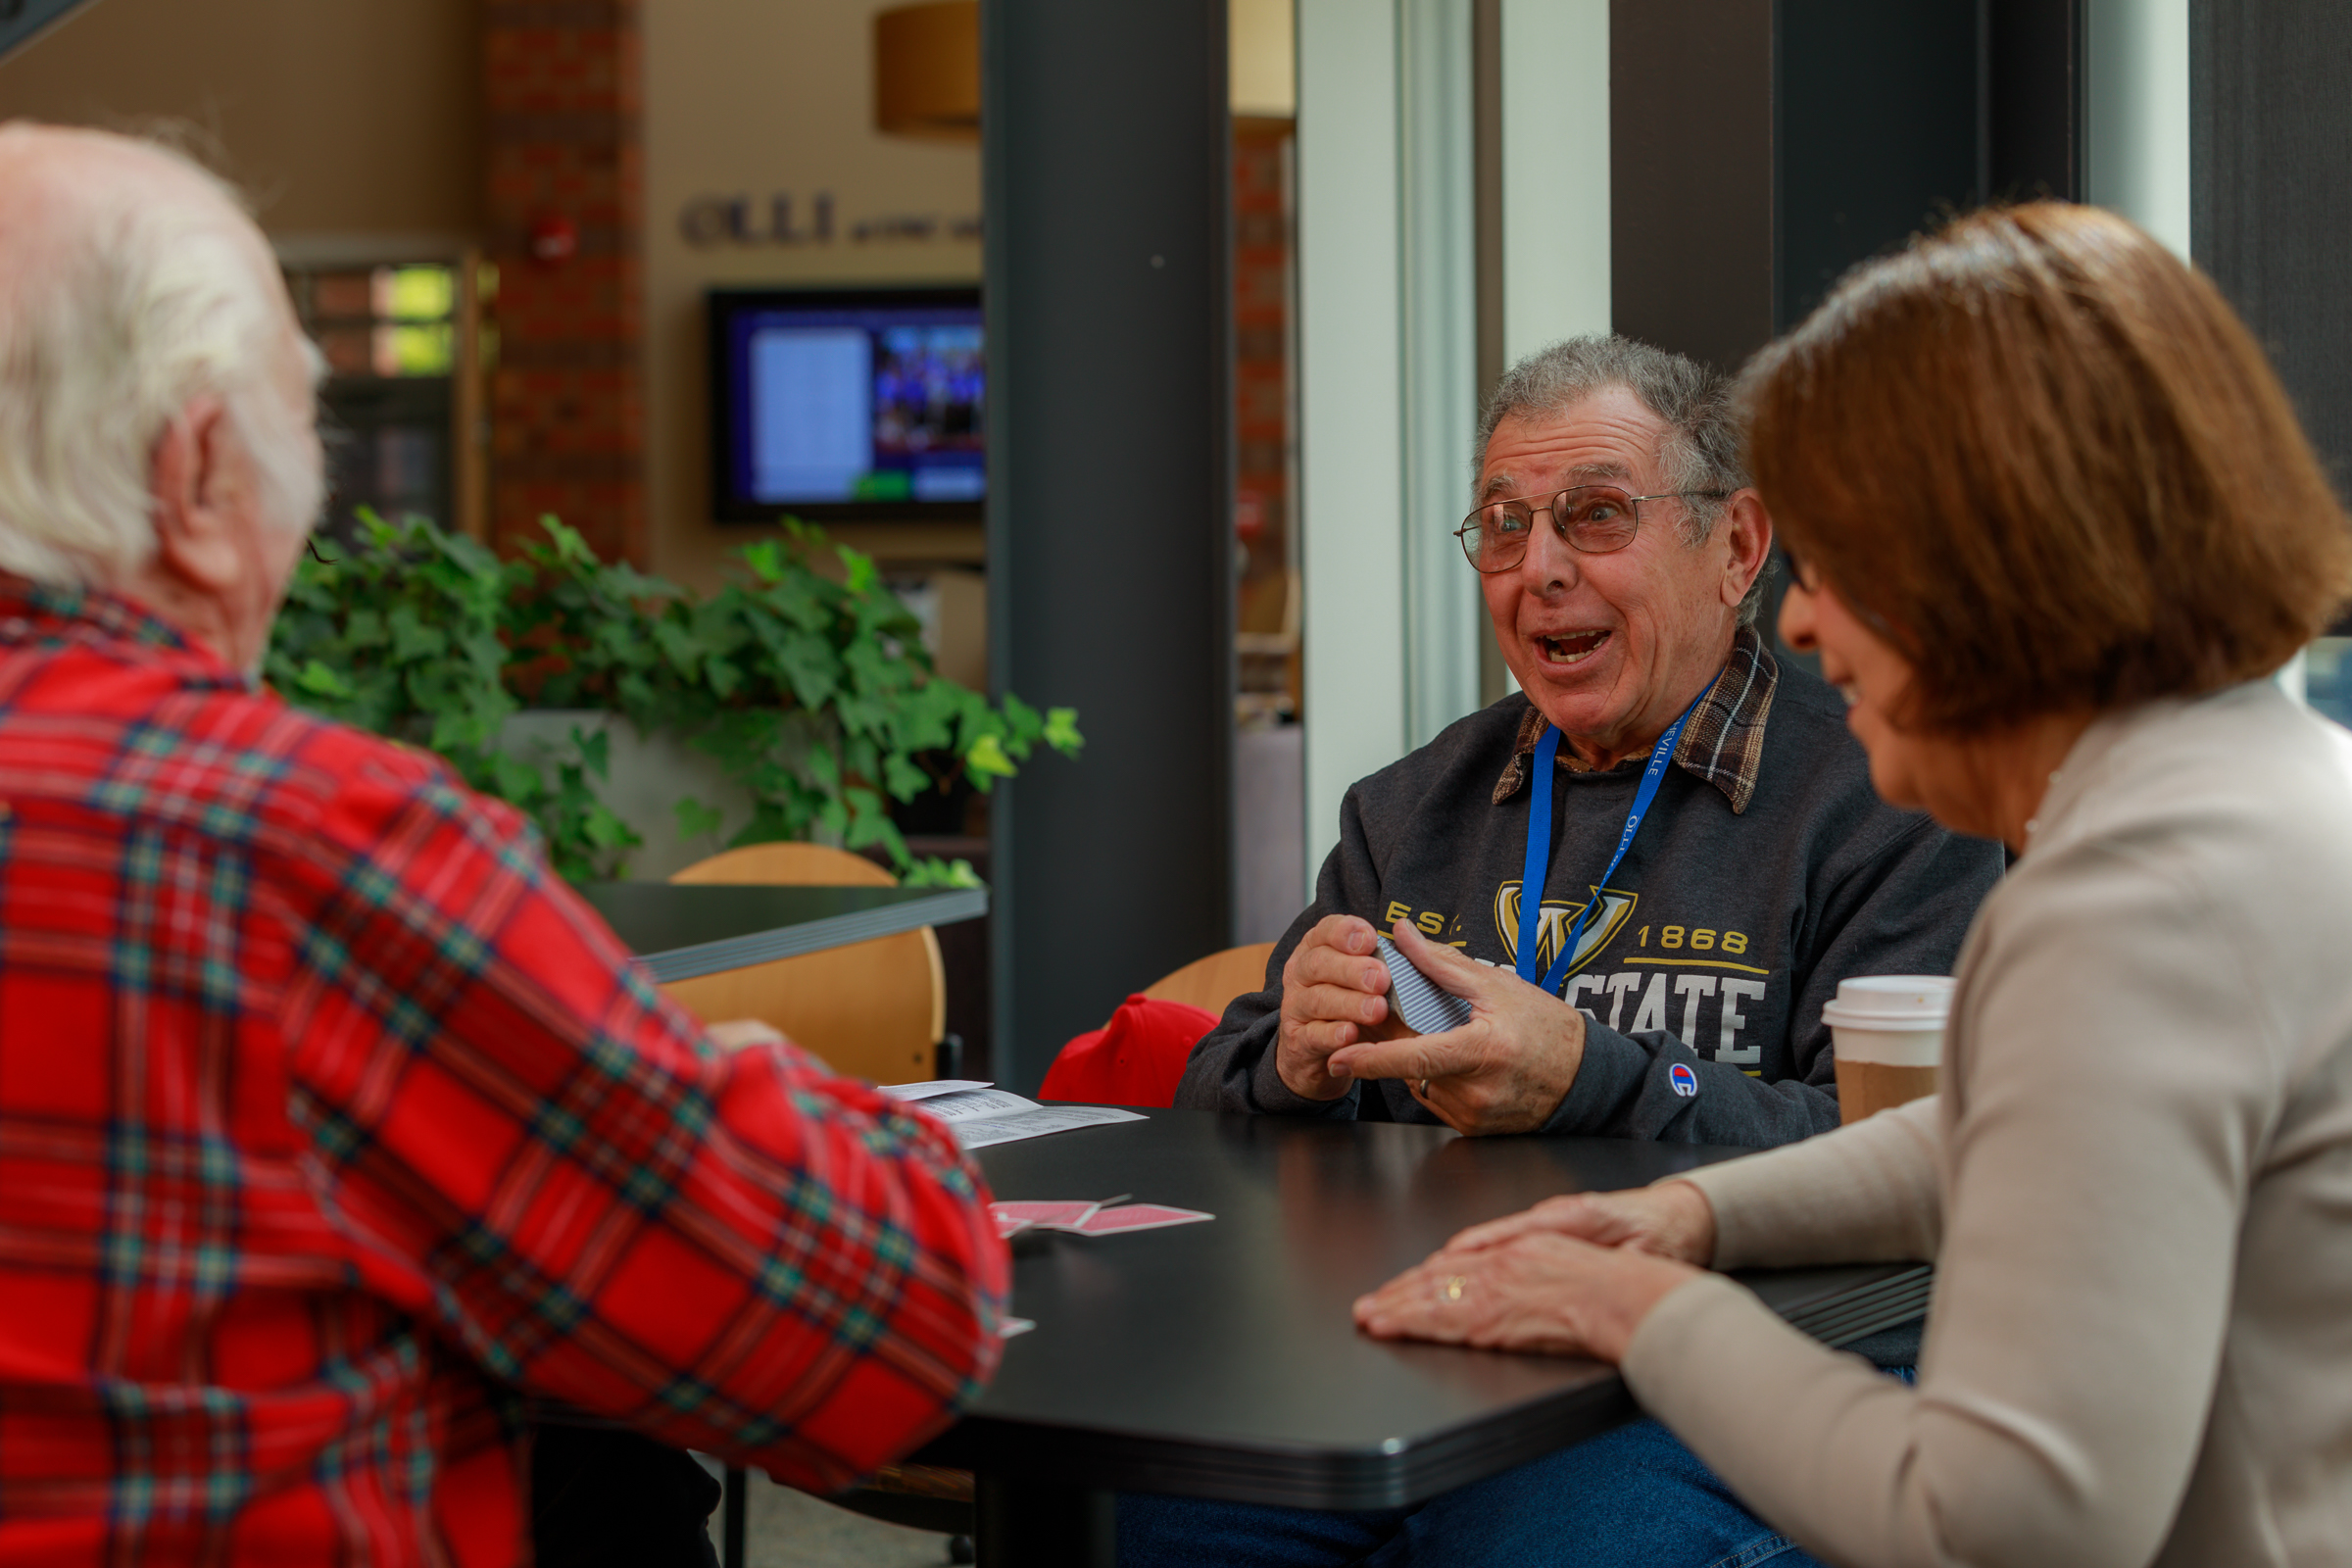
(980, 1114)
(934, 1088)
(975, 1104)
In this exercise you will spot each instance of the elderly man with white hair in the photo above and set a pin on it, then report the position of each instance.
(329, 1119)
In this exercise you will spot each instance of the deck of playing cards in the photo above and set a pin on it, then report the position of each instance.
(1424, 1009)
(1138, 1218)
(1082, 1218)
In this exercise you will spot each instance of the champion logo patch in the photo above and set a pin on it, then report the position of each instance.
(1685, 1081)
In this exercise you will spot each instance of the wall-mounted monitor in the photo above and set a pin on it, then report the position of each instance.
(842, 404)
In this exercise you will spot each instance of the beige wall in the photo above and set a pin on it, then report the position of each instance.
(345, 118)
(358, 120)
(751, 98)
(1262, 56)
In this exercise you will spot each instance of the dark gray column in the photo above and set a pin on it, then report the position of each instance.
(1759, 148)
(1691, 176)
(1878, 133)
(2270, 197)
(21, 20)
(2032, 99)
(1108, 165)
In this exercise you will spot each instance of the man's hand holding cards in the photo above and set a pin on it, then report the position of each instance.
(1501, 1054)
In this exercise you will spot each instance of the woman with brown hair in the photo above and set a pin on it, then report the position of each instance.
(2054, 523)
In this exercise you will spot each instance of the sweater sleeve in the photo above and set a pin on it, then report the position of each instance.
(2111, 1082)
(1863, 1194)
(1233, 1067)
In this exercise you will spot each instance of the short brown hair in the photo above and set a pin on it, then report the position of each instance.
(2042, 455)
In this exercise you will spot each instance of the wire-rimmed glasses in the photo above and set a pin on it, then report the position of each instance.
(1593, 518)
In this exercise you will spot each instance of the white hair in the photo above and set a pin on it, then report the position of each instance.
(127, 299)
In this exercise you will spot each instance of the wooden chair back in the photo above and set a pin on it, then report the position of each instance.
(1212, 982)
(877, 1009)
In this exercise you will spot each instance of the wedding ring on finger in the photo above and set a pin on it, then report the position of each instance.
(1424, 1088)
(1452, 1289)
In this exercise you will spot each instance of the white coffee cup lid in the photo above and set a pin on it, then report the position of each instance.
(1885, 997)
(1920, 1023)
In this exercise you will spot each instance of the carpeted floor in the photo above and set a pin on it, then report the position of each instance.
(787, 1529)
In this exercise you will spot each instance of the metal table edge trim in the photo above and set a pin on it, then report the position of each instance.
(945, 907)
(1285, 1475)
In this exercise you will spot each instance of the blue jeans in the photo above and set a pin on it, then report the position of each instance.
(1630, 1499)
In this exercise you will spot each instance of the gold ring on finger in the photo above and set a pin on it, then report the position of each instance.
(1452, 1288)
(1424, 1088)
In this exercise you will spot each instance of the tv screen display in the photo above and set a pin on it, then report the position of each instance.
(841, 404)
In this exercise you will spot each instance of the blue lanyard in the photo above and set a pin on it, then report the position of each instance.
(1538, 846)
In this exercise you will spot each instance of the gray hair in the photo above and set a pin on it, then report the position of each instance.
(134, 290)
(1702, 451)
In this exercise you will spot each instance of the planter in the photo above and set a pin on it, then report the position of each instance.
(646, 778)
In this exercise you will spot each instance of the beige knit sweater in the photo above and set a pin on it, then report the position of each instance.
(2136, 1187)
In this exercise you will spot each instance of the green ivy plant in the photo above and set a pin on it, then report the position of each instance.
(813, 693)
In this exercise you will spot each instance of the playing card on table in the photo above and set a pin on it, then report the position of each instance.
(1424, 1009)
(1046, 1216)
(1138, 1218)
(1007, 1227)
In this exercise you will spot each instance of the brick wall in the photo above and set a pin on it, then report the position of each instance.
(562, 128)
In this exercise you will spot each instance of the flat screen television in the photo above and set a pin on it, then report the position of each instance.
(839, 405)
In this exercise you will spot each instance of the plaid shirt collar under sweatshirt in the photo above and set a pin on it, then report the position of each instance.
(329, 1119)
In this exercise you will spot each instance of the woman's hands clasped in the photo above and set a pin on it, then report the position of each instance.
(1571, 1276)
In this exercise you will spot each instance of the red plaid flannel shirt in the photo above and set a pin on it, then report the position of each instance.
(329, 1119)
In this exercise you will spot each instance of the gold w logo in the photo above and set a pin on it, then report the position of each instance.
(1553, 920)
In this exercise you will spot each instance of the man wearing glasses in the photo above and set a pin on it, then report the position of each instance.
(1711, 862)
(1712, 859)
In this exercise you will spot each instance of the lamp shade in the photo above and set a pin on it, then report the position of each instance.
(927, 71)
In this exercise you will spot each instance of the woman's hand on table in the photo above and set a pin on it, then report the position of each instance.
(1573, 1275)
(1541, 1291)
(1673, 1219)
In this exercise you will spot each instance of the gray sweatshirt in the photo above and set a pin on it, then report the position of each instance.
(1765, 871)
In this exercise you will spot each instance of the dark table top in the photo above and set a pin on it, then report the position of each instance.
(1219, 1359)
(681, 930)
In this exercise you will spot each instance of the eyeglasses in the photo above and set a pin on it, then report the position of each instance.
(1593, 518)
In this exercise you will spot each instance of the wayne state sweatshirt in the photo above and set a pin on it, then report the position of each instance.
(1764, 872)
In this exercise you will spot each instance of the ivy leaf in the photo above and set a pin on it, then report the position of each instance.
(697, 820)
(825, 768)
(986, 758)
(412, 639)
(901, 778)
(1061, 730)
(932, 873)
(864, 578)
(606, 830)
(319, 681)
(596, 750)
(515, 781)
(808, 685)
(765, 559)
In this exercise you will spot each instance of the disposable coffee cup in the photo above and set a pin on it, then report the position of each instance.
(1887, 1034)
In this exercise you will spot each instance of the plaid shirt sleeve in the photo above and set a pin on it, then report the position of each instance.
(739, 1252)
